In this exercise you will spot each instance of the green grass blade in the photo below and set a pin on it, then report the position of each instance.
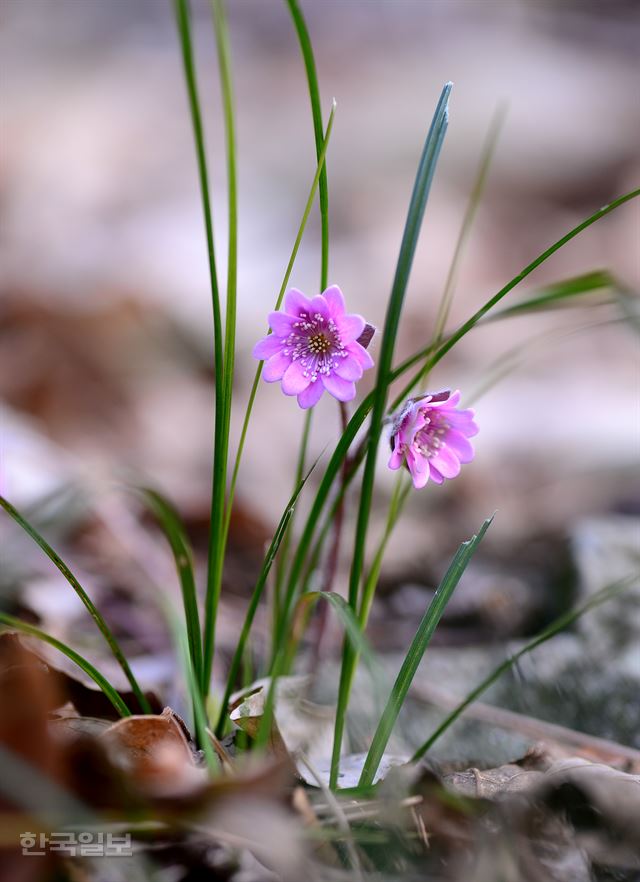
(79, 660)
(200, 722)
(217, 512)
(414, 655)
(283, 288)
(467, 326)
(557, 294)
(424, 177)
(316, 111)
(287, 650)
(417, 205)
(398, 499)
(475, 318)
(323, 194)
(176, 534)
(270, 556)
(219, 491)
(283, 556)
(486, 158)
(560, 624)
(432, 354)
(345, 616)
(516, 357)
(84, 597)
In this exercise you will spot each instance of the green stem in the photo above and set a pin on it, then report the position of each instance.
(283, 555)
(283, 287)
(186, 42)
(316, 111)
(218, 534)
(424, 177)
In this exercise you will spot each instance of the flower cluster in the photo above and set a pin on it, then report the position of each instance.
(314, 346)
(430, 436)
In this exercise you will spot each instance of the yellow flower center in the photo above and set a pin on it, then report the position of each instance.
(319, 344)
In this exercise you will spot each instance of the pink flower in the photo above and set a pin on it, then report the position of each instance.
(314, 346)
(431, 437)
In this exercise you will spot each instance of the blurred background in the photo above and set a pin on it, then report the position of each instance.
(105, 320)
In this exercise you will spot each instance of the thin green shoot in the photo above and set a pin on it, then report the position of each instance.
(174, 530)
(559, 624)
(218, 533)
(99, 679)
(283, 555)
(104, 629)
(400, 494)
(415, 653)
(186, 42)
(417, 205)
(283, 287)
(270, 556)
(557, 294)
(316, 112)
(323, 198)
(477, 191)
(200, 721)
(357, 420)
(288, 649)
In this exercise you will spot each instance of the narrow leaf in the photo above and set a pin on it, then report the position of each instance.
(183, 19)
(414, 655)
(417, 205)
(357, 420)
(560, 624)
(174, 530)
(75, 657)
(267, 563)
(217, 532)
(316, 112)
(84, 597)
(557, 294)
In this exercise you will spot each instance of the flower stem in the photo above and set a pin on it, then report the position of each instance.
(217, 535)
(331, 564)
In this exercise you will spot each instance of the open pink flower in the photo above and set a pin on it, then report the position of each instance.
(431, 437)
(314, 347)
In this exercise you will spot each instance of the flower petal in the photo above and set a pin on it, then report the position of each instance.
(446, 462)
(295, 302)
(435, 475)
(333, 296)
(267, 347)
(461, 446)
(349, 368)
(275, 367)
(463, 421)
(294, 380)
(361, 354)
(319, 306)
(350, 327)
(397, 455)
(419, 468)
(281, 323)
(341, 389)
(311, 395)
